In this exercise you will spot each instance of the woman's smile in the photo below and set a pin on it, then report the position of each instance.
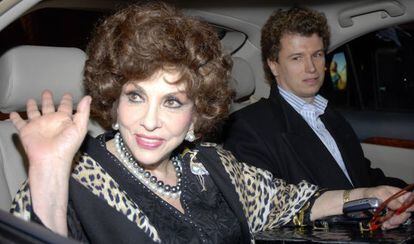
(148, 142)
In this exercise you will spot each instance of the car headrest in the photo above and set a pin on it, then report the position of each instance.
(25, 71)
(242, 78)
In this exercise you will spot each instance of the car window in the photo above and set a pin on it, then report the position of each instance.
(73, 28)
(50, 27)
(373, 72)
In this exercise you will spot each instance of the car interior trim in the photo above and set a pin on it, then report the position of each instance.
(392, 8)
(391, 142)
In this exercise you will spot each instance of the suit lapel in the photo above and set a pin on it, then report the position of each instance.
(334, 126)
(313, 157)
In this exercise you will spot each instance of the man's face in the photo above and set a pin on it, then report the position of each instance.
(300, 68)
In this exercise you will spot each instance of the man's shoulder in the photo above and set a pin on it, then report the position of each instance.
(261, 108)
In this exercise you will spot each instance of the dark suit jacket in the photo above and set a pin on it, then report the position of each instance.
(270, 134)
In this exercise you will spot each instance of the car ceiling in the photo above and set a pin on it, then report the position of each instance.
(248, 16)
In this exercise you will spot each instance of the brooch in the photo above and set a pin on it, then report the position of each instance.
(198, 170)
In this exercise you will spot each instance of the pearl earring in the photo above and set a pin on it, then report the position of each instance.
(190, 136)
(115, 126)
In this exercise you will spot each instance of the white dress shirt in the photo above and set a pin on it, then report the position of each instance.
(310, 112)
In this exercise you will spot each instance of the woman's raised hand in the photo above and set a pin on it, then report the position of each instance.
(52, 134)
(51, 139)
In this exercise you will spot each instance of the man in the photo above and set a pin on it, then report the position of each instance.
(293, 133)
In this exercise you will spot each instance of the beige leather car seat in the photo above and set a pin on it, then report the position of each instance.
(243, 82)
(25, 71)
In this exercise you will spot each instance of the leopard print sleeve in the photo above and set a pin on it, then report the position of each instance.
(22, 204)
(92, 176)
(22, 207)
(267, 202)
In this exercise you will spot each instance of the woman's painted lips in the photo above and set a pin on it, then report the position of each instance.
(148, 142)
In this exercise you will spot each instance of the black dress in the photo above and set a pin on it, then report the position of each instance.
(227, 203)
(207, 217)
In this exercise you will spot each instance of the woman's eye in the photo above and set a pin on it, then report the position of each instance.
(134, 97)
(173, 103)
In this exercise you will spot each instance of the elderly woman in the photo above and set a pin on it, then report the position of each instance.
(159, 78)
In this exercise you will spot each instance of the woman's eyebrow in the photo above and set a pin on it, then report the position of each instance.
(181, 94)
(137, 87)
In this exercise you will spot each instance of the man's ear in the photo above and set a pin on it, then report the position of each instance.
(273, 65)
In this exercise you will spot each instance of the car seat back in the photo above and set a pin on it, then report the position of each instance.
(25, 71)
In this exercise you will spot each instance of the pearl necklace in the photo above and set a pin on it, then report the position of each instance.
(144, 176)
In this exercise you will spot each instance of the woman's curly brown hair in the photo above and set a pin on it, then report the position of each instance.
(136, 42)
(297, 20)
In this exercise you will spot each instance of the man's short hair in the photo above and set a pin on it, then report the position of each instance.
(296, 20)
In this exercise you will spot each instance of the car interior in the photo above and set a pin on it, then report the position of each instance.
(29, 66)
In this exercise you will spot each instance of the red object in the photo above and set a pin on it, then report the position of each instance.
(379, 218)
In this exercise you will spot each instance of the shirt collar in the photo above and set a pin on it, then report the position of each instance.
(319, 102)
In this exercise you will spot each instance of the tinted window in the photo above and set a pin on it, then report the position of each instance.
(50, 27)
(379, 72)
(340, 87)
(68, 28)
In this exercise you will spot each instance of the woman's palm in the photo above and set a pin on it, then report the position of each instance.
(52, 135)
